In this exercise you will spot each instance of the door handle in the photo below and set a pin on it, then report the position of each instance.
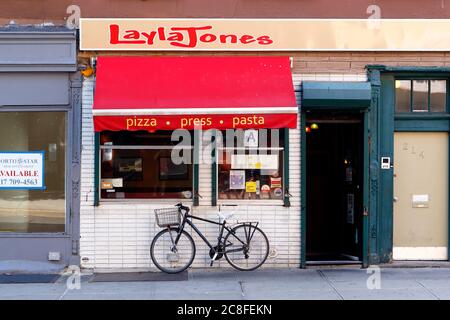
(395, 199)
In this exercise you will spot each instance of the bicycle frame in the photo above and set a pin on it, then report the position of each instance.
(222, 225)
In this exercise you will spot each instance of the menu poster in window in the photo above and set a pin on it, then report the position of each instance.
(22, 170)
(254, 161)
(237, 179)
(130, 169)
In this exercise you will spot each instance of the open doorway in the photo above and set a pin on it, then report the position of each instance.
(334, 187)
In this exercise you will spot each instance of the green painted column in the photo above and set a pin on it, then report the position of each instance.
(375, 80)
(196, 158)
(214, 170)
(365, 245)
(303, 190)
(386, 190)
(286, 201)
(96, 168)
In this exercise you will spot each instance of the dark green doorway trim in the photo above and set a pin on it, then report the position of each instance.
(381, 132)
(365, 247)
(303, 178)
(415, 71)
(96, 168)
(386, 176)
(422, 125)
(287, 195)
(337, 96)
(373, 226)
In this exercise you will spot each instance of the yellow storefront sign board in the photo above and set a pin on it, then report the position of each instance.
(265, 34)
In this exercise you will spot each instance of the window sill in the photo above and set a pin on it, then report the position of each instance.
(422, 116)
(144, 201)
(250, 202)
(4, 234)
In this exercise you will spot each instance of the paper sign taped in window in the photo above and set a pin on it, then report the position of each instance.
(117, 183)
(251, 138)
(250, 186)
(275, 182)
(106, 184)
(237, 179)
(254, 161)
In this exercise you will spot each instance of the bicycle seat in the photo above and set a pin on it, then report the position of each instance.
(223, 216)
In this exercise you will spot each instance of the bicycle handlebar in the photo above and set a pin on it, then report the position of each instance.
(180, 205)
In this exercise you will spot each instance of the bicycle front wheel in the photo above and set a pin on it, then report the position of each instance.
(172, 256)
(246, 247)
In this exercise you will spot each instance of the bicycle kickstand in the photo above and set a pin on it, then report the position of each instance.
(212, 259)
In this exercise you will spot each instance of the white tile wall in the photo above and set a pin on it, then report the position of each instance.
(118, 235)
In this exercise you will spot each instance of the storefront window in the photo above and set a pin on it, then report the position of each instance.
(420, 96)
(144, 165)
(250, 164)
(403, 95)
(23, 209)
(438, 92)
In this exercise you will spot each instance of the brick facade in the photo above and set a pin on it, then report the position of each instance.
(320, 62)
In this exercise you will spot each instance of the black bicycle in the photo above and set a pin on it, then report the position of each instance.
(244, 245)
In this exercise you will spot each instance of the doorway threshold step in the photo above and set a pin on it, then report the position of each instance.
(332, 262)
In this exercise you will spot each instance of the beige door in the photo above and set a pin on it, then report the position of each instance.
(420, 196)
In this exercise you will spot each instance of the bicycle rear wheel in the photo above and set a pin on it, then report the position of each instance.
(246, 247)
(171, 257)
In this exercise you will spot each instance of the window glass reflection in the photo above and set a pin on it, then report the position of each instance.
(438, 92)
(31, 211)
(420, 96)
(403, 95)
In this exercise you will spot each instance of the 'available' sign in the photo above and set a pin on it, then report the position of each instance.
(22, 170)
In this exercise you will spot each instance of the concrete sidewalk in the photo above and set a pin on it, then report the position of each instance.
(225, 284)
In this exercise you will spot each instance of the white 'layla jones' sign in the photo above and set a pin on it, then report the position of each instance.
(22, 170)
(265, 34)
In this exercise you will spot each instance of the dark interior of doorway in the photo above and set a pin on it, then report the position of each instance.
(334, 181)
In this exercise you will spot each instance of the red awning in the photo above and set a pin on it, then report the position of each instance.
(167, 93)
